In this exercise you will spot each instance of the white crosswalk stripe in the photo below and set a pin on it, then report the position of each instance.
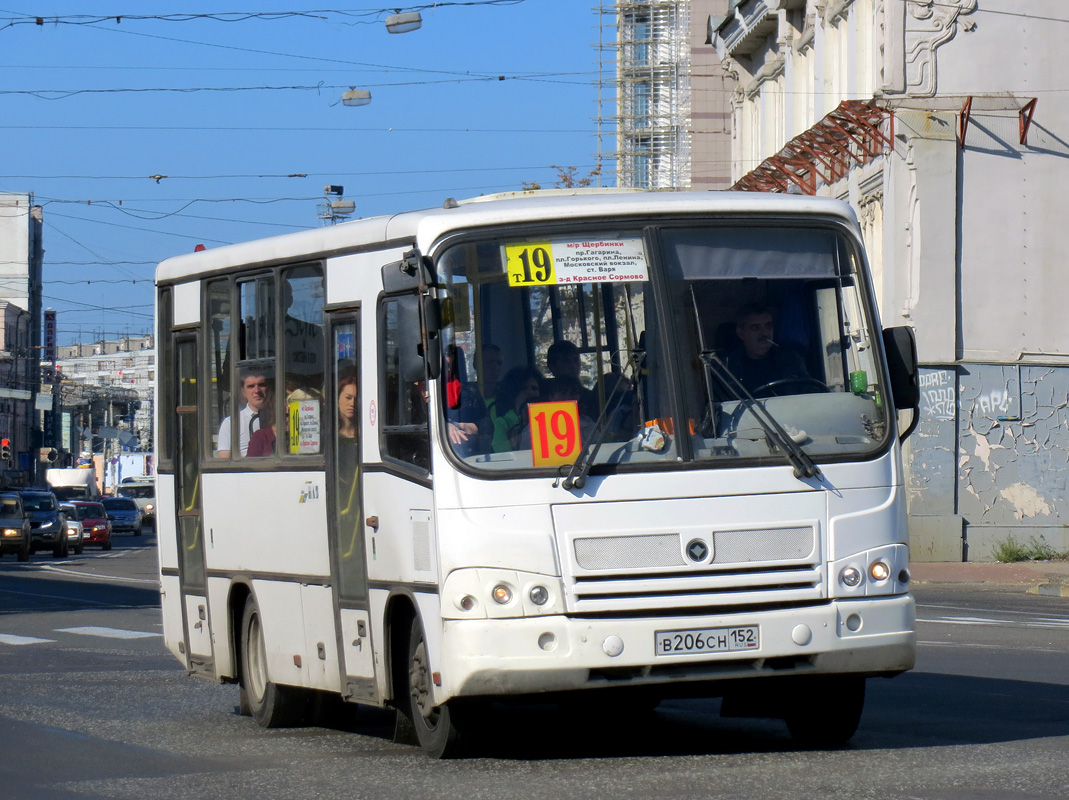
(10, 638)
(108, 633)
(88, 630)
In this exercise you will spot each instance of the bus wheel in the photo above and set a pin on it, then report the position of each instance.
(827, 711)
(271, 705)
(436, 726)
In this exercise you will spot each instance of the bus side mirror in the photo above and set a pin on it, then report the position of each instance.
(412, 272)
(901, 346)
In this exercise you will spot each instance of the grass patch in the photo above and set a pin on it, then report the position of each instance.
(1035, 549)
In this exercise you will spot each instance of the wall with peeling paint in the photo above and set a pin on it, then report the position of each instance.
(990, 458)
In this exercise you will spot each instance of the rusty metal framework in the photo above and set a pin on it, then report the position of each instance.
(852, 134)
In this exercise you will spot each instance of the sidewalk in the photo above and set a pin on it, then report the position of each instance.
(1040, 577)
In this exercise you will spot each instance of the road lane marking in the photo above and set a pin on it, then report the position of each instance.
(65, 571)
(108, 633)
(10, 638)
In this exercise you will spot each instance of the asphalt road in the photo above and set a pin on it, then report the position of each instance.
(91, 706)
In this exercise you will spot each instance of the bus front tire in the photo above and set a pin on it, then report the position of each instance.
(271, 705)
(436, 727)
(826, 714)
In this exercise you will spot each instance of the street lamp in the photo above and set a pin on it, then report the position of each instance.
(404, 22)
(356, 97)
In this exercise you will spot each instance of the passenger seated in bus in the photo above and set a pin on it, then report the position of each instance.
(490, 372)
(469, 425)
(555, 390)
(254, 388)
(262, 441)
(520, 386)
(563, 361)
(758, 361)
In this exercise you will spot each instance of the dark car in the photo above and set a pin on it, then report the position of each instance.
(48, 524)
(14, 527)
(124, 513)
(96, 527)
(143, 492)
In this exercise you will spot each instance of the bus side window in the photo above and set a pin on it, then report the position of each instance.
(404, 430)
(301, 297)
(220, 399)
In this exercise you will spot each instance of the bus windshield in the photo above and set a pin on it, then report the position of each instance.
(639, 349)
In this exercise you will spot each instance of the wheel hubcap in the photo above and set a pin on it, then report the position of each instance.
(419, 681)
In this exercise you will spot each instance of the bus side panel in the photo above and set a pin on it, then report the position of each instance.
(283, 530)
(222, 634)
(171, 601)
(356, 276)
(321, 640)
(166, 530)
(282, 617)
(404, 548)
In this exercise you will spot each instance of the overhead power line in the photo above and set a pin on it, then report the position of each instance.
(361, 17)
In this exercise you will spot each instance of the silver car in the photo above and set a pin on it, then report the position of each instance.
(75, 529)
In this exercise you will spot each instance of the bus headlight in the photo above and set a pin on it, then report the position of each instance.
(488, 593)
(850, 576)
(879, 571)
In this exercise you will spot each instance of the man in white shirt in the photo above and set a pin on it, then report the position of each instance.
(255, 386)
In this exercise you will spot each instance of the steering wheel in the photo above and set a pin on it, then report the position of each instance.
(767, 389)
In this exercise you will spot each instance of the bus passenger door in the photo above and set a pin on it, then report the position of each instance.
(191, 568)
(346, 512)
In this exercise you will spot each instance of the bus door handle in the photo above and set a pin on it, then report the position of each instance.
(373, 523)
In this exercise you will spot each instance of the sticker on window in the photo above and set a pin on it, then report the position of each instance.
(304, 426)
(575, 261)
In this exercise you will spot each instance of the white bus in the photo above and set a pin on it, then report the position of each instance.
(635, 444)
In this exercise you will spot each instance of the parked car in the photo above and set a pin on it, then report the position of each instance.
(15, 532)
(75, 529)
(143, 492)
(47, 523)
(95, 523)
(124, 513)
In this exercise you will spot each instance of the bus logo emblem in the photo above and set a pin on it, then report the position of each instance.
(697, 550)
(309, 492)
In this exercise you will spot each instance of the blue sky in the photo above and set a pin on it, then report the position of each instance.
(440, 125)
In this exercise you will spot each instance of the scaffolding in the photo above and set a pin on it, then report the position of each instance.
(644, 97)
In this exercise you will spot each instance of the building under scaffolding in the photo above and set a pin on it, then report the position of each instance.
(665, 135)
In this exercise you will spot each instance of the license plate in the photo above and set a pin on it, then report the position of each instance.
(706, 640)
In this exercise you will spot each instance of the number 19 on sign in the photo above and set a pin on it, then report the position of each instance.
(555, 437)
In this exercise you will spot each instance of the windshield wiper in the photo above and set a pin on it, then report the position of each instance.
(804, 467)
(580, 469)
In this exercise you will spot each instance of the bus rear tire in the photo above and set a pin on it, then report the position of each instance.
(271, 705)
(827, 711)
(436, 726)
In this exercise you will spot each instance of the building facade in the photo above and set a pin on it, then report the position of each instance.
(107, 388)
(664, 97)
(944, 124)
(21, 256)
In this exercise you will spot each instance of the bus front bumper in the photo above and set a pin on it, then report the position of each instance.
(486, 658)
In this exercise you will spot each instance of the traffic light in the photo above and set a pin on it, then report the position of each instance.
(5, 449)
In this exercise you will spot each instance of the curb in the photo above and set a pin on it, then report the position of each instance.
(1049, 590)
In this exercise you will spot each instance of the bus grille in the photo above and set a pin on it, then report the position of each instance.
(651, 572)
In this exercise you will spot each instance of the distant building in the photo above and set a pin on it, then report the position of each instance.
(21, 256)
(108, 386)
(664, 99)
